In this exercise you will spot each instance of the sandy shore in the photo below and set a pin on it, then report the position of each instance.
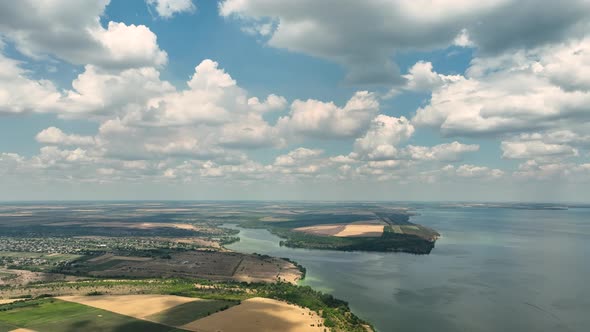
(259, 315)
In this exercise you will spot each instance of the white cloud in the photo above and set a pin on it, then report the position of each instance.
(104, 93)
(505, 94)
(421, 77)
(385, 132)
(272, 103)
(297, 157)
(531, 169)
(71, 30)
(536, 149)
(365, 35)
(169, 8)
(314, 118)
(53, 135)
(473, 171)
(463, 39)
(19, 93)
(443, 152)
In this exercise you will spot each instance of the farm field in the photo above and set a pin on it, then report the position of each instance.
(53, 315)
(157, 313)
(213, 265)
(261, 315)
(178, 302)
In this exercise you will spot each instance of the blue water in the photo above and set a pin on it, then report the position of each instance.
(494, 269)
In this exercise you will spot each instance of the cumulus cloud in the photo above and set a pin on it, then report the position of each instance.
(365, 35)
(272, 103)
(509, 94)
(320, 119)
(169, 8)
(53, 135)
(421, 77)
(71, 30)
(532, 169)
(443, 152)
(96, 92)
(536, 149)
(385, 132)
(473, 171)
(297, 157)
(19, 93)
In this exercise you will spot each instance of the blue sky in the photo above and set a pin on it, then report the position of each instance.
(332, 100)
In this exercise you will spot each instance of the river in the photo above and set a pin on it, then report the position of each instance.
(494, 269)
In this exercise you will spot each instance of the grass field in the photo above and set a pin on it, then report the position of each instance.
(52, 315)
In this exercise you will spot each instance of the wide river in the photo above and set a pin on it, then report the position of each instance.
(494, 269)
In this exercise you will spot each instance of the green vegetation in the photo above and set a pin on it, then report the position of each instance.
(191, 311)
(389, 241)
(53, 315)
(413, 239)
(336, 313)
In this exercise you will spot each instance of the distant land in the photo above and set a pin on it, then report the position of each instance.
(64, 266)
(351, 227)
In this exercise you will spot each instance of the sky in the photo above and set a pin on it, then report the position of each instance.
(394, 100)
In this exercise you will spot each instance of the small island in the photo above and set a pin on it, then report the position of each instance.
(375, 229)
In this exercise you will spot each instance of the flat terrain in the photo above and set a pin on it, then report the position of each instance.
(52, 315)
(159, 313)
(344, 230)
(170, 302)
(260, 314)
(23, 277)
(138, 306)
(211, 265)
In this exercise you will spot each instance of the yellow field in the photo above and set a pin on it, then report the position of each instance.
(344, 230)
(137, 306)
(361, 231)
(259, 315)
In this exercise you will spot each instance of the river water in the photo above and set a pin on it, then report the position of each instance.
(494, 269)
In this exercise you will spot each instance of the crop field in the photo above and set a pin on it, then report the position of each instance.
(198, 298)
(188, 312)
(52, 315)
(260, 315)
(344, 230)
(137, 306)
(193, 264)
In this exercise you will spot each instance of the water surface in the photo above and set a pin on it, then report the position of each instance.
(494, 269)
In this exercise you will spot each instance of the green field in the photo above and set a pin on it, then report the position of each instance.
(52, 315)
(191, 311)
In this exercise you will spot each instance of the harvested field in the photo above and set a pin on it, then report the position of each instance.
(212, 265)
(260, 315)
(344, 230)
(190, 311)
(24, 277)
(137, 306)
(330, 230)
(274, 219)
(370, 230)
(53, 315)
(111, 257)
(143, 225)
